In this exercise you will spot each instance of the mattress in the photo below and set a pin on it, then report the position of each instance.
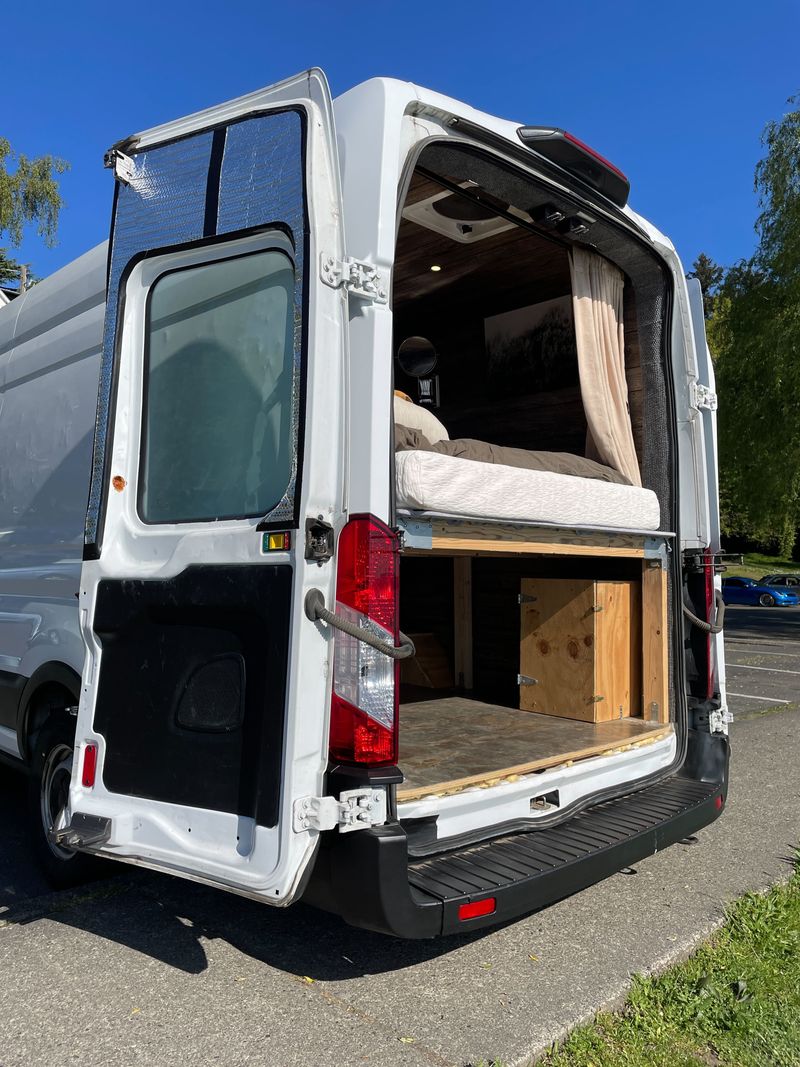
(427, 481)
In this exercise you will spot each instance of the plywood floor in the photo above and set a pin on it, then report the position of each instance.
(458, 741)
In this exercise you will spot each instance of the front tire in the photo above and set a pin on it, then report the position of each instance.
(48, 793)
(766, 600)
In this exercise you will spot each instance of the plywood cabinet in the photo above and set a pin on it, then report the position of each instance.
(581, 648)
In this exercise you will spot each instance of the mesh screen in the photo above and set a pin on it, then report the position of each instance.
(261, 182)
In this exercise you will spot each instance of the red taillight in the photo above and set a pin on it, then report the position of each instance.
(364, 702)
(366, 578)
(476, 908)
(718, 802)
(89, 766)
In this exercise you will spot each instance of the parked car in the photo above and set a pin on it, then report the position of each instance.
(749, 591)
(792, 580)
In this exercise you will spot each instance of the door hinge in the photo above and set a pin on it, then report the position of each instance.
(359, 279)
(719, 720)
(356, 809)
(524, 679)
(701, 398)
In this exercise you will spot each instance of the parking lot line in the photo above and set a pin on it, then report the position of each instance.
(772, 670)
(757, 642)
(757, 651)
(767, 700)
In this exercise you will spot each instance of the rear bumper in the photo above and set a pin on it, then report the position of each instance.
(368, 878)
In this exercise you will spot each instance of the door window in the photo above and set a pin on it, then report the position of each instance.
(218, 439)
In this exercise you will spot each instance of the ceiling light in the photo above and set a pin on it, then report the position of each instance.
(435, 268)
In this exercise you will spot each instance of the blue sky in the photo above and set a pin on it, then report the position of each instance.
(675, 94)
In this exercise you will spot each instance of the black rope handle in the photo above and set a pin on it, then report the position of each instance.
(709, 627)
(316, 611)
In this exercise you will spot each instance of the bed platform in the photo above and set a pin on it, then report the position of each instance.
(453, 743)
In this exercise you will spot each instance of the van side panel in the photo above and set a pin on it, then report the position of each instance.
(49, 363)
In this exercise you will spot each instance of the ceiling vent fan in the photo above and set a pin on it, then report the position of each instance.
(461, 218)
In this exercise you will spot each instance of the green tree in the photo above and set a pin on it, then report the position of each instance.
(710, 275)
(756, 338)
(9, 268)
(29, 193)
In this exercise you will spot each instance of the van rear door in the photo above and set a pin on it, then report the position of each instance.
(699, 472)
(219, 440)
(698, 434)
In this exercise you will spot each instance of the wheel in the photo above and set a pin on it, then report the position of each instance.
(766, 600)
(51, 773)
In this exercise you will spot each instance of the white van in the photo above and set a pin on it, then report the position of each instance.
(397, 587)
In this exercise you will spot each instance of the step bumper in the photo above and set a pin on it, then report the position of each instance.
(370, 881)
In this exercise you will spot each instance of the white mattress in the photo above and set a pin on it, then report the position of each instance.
(427, 481)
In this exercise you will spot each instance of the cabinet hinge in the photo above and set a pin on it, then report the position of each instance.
(359, 279)
(701, 398)
(356, 809)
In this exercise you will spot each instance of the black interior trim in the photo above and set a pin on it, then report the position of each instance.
(212, 184)
(156, 637)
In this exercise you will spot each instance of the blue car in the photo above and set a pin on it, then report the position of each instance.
(748, 591)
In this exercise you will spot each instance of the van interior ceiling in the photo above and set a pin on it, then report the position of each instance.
(510, 643)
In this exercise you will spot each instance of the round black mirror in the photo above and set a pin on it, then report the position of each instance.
(417, 357)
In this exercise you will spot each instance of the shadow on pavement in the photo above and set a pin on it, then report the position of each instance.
(171, 920)
(763, 624)
(20, 877)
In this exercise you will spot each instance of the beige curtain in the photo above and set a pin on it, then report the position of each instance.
(597, 305)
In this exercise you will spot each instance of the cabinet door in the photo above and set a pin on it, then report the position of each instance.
(618, 658)
(557, 647)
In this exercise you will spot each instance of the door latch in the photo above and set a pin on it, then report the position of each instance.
(319, 540)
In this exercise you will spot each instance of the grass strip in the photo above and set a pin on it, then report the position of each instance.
(756, 565)
(734, 1003)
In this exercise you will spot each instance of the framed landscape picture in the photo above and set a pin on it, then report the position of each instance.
(531, 349)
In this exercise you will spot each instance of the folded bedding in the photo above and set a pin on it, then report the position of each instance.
(407, 438)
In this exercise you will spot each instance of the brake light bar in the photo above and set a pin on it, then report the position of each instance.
(578, 159)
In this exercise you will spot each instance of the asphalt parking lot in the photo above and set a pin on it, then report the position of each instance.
(142, 968)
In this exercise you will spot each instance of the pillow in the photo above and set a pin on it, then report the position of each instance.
(416, 417)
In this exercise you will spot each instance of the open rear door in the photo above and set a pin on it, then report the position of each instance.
(700, 516)
(219, 439)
